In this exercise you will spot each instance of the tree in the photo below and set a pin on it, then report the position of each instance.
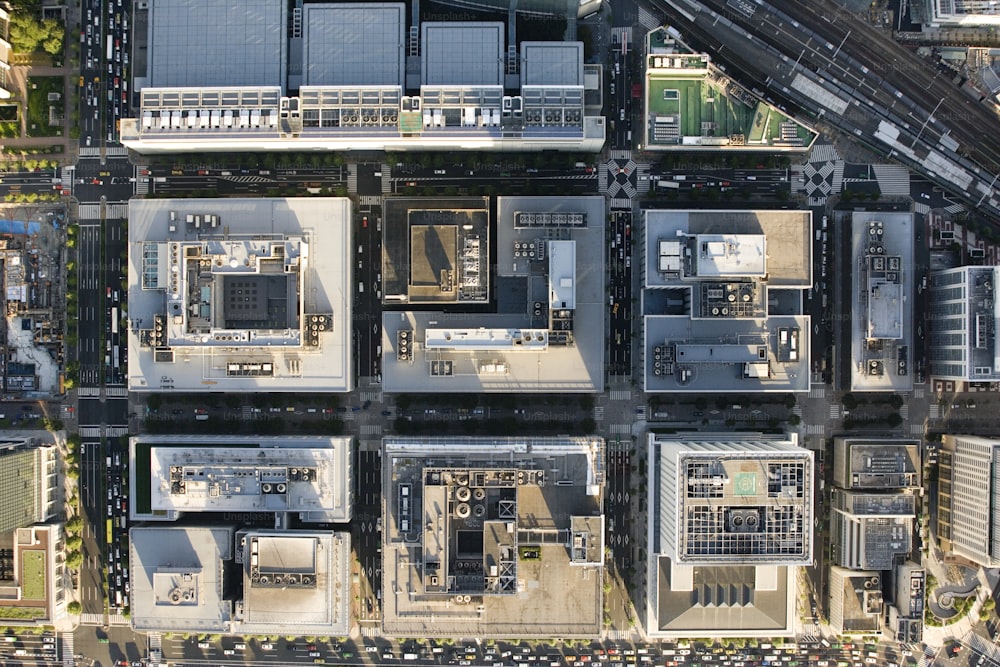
(74, 559)
(74, 607)
(894, 420)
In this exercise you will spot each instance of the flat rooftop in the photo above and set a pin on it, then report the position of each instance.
(786, 248)
(240, 295)
(462, 54)
(295, 581)
(192, 43)
(882, 301)
(177, 578)
(310, 476)
(436, 250)
(552, 63)
(872, 531)
(855, 601)
(493, 537)
(534, 337)
(347, 44)
(692, 105)
(876, 464)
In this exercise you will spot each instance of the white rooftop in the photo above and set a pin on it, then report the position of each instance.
(239, 295)
(722, 255)
(562, 274)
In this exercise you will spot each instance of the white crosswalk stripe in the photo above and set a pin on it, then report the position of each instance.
(621, 155)
(117, 619)
(386, 179)
(622, 204)
(834, 411)
(620, 394)
(893, 179)
(117, 392)
(620, 429)
(66, 645)
(904, 411)
(90, 431)
(116, 151)
(934, 411)
(116, 211)
(115, 431)
(817, 391)
(619, 635)
(599, 413)
(816, 429)
(370, 200)
(90, 151)
(916, 429)
(375, 396)
(647, 20)
(371, 429)
(92, 619)
(797, 410)
(352, 178)
(88, 211)
(86, 392)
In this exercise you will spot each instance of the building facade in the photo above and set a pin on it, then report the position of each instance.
(962, 337)
(968, 497)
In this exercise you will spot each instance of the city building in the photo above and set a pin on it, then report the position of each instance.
(492, 537)
(881, 315)
(730, 517)
(962, 331)
(871, 531)
(353, 76)
(905, 620)
(310, 477)
(690, 105)
(240, 295)
(294, 581)
(722, 301)
(956, 13)
(36, 587)
(178, 578)
(968, 521)
(29, 483)
(546, 331)
(876, 464)
(856, 602)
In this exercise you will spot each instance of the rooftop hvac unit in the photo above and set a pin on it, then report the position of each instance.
(462, 510)
(266, 488)
(463, 494)
(282, 488)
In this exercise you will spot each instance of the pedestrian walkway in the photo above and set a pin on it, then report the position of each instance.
(117, 211)
(88, 212)
(66, 643)
(893, 179)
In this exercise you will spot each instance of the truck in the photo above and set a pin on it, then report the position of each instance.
(411, 656)
(668, 184)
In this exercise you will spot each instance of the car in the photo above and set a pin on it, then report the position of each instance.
(314, 654)
(364, 222)
(371, 649)
(621, 114)
(229, 651)
(204, 645)
(440, 172)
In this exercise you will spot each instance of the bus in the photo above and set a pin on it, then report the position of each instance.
(114, 320)
(111, 51)
(109, 531)
(114, 357)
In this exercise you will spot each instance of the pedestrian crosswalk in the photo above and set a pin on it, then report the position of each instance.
(647, 20)
(817, 391)
(620, 429)
(91, 619)
(619, 635)
(598, 413)
(934, 411)
(809, 638)
(88, 212)
(118, 619)
(116, 431)
(116, 211)
(375, 396)
(621, 155)
(370, 200)
(816, 429)
(88, 392)
(66, 645)
(90, 431)
(386, 180)
(893, 179)
(797, 410)
(917, 429)
(621, 204)
(834, 411)
(90, 151)
(904, 411)
(117, 392)
(371, 429)
(352, 178)
(116, 151)
(620, 394)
